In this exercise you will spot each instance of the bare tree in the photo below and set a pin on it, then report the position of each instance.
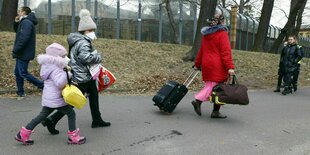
(8, 13)
(299, 18)
(207, 10)
(287, 29)
(260, 38)
(171, 20)
(222, 3)
(241, 5)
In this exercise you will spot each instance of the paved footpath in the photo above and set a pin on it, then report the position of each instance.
(271, 124)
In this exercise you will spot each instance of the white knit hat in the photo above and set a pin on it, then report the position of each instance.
(86, 22)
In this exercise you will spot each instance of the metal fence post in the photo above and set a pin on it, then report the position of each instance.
(73, 16)
(240, 31)
(247, 34)
(181, 21)
(195, 21)
(253, 32)
(1, 2)
(25, 3)
(96, 13)
(118, 20)
(139, 21)
(275, 31)
(268, 39)
(49, 14)
(160, 31)
(88, 4)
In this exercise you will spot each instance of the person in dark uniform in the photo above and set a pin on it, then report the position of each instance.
(290, 56)
(280, 73)
(297, 71)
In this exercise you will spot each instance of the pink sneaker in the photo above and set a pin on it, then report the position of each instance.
(23, 136)
(75, 138)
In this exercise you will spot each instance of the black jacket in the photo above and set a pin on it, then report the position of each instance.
(290, 56)
(25, 41)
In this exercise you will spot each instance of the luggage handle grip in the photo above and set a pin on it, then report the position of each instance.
(190, 78)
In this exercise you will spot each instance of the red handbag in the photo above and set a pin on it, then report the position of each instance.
(234, 93)
(105, 79)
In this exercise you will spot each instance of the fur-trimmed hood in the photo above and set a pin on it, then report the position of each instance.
(48, 63)
(212, 29)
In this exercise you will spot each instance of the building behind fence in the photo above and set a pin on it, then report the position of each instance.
(146, 21)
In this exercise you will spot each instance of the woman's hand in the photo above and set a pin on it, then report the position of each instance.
(196, 68)
(231, 72)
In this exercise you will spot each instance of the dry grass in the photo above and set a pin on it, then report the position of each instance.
(142, 67)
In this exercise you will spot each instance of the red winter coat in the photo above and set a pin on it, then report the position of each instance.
(215, 56)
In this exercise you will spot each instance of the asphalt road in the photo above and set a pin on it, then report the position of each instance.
(272, 124)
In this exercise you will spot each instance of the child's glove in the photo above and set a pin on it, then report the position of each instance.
(67, 68)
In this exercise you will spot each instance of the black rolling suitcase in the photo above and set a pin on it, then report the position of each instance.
(168, 97)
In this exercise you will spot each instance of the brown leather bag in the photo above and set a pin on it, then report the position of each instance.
(230, 93)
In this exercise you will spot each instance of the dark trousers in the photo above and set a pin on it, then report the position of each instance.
(295, 76)
(288, 79)
(46, 111)
(280, 77)
(21, 73)
(91, 89)
(216, 107)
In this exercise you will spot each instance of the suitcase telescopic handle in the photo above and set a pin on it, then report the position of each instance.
(190, 78)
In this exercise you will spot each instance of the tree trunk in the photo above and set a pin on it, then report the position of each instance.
(207, 10)
(171, 21)
(8, 14)
(261, 35)
(291, 20)
(299, 18)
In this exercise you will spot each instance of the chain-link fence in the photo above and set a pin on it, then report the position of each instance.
(142, 20)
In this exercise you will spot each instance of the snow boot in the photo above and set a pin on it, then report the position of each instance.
(287, 90)
(23, 136)
(277, 89)
(217, 114)
(197, 106)
(75, 138)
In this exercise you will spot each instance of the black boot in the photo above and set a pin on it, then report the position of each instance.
(101, 123)
(277, 89)
(295, 87)
(287, 90)
(197, 106)
(50, 124)
(217, 114)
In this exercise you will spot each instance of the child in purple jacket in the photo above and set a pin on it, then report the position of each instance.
(55, 78)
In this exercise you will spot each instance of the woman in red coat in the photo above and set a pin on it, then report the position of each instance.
(215, 61)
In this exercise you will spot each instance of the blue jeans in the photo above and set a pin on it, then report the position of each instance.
(21, 73)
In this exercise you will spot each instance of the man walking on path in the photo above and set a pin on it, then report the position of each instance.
(24, 49)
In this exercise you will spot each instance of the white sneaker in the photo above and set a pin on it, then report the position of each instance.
(20, 97)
